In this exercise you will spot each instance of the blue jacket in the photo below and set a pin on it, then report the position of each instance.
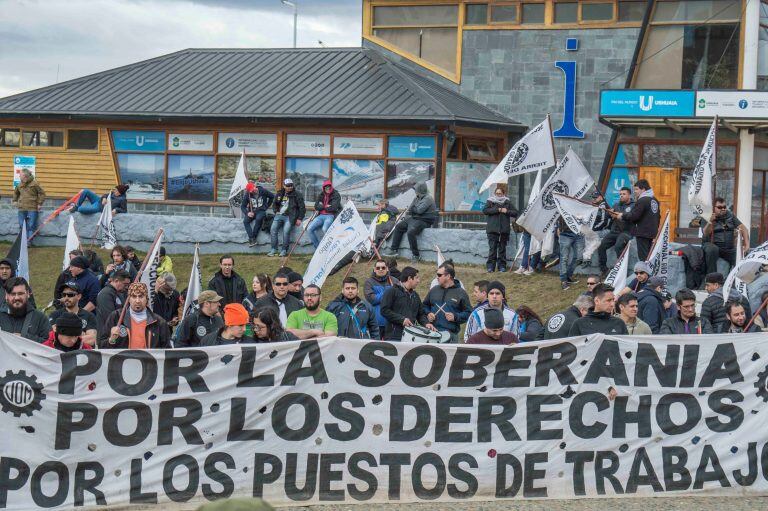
(89, 286)
(260, 200)
(650, 308)
(453, 299)
(355, 319)
(373, 291)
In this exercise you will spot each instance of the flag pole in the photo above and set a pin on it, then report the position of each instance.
(757, 313)
(56, 213)
(140, 272)
(296, 243)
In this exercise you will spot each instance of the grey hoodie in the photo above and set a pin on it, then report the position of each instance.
(423, 206)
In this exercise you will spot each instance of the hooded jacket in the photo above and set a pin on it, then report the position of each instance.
(156, 332)
(28, 196)
(355, 319)
(497, 222)
(423, 206)
(89, 287)
(374, 290)
(452, 299)
(234, 294)
(676, 325)
(598, 323)
(644, 216)
(258, 200)
(397, 304)
(119, 202)
(33, 326)
(650, 308)
(619, 226)
(328, 203)
(194, 328)
(713, 308)
(559, 325)
(296, 207)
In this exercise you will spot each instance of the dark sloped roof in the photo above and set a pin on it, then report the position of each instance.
(323, 83)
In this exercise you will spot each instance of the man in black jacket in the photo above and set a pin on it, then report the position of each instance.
(619, 235)
(650, 304)
(600, 319)
(198, 324)
(447, 304)
(713, 308)
(279, 299)
(289, 211)
(401, 306)
(227, 283)
(422, 213)
(256, 202)
(18, 316)
(327, 206)
(141, 328)
(720, 236)
(737, 320)
(686, 321)
(559, 324)
(643, 217)
(112, 295)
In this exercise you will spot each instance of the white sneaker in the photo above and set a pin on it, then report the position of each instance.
(528, 271)
(520, 271)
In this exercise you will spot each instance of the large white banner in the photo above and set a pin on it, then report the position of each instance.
(700, 190)
(348, 233)
(570, 177)
(535, 151)
(337, 420)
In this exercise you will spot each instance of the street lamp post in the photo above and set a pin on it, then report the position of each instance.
(295, 17)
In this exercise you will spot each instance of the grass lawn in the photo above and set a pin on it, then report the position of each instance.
(541, 292)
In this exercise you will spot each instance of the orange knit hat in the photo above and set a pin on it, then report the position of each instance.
(235, 315)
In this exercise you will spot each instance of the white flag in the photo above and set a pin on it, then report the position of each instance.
(195, 285)
(548, 244)
(739, 284)
(440, 256)
(748, 268)
(579, 216)
(238, 187)
(535, 151)
(348, 233)
(700, 190)
(658, 258)
(617, 277)
(107, 232)
(569, 178)
(73, 242)
(535, 189)
(149, 276)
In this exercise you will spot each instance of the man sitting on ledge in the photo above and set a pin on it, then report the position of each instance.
(96, 203)
(422, 213)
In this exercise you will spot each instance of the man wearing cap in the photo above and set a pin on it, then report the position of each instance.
(19, 316)
(112, 295)
(167, 299)
(289, 210)
(197, 324)
(493, 331)
(256, 201)
(559, 324)
(70, 297)
(233, 330)
(140, 329)
(650, 304)
(227, 282)
(279, 299)
(642, 273)
(312, 321)
(327, 206)
(67, 334)
(600, 319)
(497, 299)
(713, 308)
(85, 280)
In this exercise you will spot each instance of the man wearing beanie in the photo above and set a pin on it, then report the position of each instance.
(19, 316)
(493, 331)
(86, 281)
(140, 329)
(642, 272)
(96, 204)
(233, 331)
(67, 333)
(496, 300)
(70, 297)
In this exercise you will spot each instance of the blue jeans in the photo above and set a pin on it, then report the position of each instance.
(320, 222)
(526, 240)
(30, 217)
(94, 203)
(284, 223)
(253, 225)
(567, 255)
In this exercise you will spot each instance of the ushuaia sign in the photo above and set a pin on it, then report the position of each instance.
(339, 420)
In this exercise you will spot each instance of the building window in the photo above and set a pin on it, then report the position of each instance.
(476, 14)
(144, 173)
(697, 10)
(566, 12)
(504, 13)
(631, 10)
(83, 139)
(462, 185)
(429, 32)
(361, 181)
(596, 11)
(259, 169)
(402, 178)
(42, 138)
(10, 137)
(533, 14)
(190, 177)
(308, 175)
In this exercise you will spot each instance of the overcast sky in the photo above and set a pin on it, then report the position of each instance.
(80, 37)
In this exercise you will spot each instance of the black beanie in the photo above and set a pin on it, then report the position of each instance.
(495, 284)
(494, 319)
(79, 262)
(69, 324)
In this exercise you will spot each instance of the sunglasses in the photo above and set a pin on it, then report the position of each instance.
(439, 274)
(69, 295)
(591, 283)
(280, 284)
